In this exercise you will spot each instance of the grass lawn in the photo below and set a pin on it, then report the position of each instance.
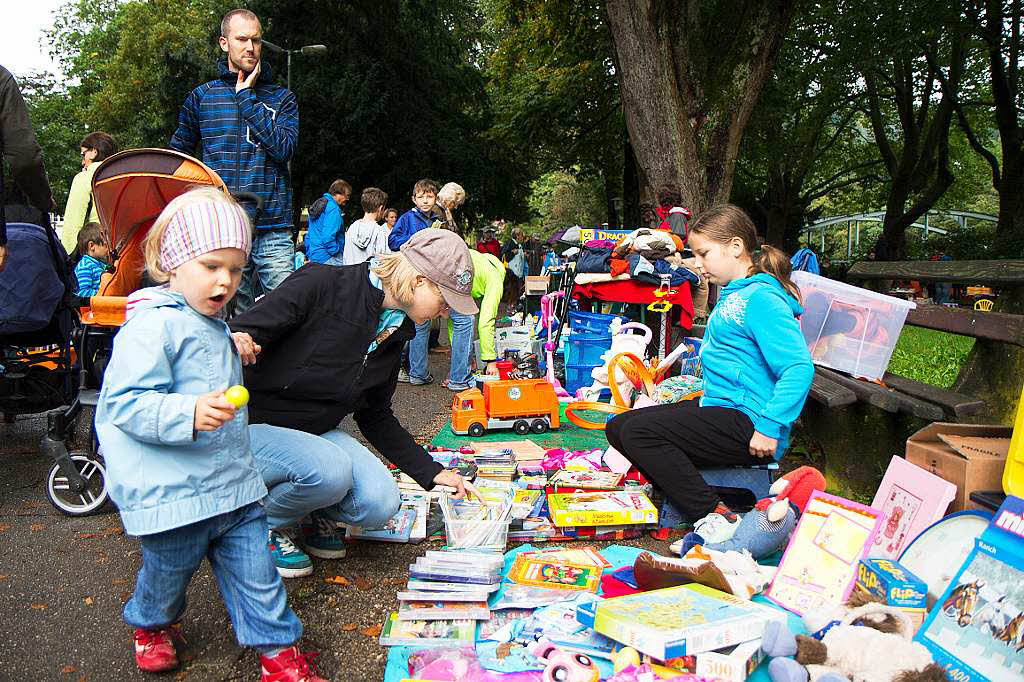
(929, 356)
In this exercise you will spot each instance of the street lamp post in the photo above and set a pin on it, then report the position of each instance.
(305, 49)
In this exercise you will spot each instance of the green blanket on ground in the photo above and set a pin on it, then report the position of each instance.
(567, 437)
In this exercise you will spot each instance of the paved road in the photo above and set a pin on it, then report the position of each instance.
(63, 581)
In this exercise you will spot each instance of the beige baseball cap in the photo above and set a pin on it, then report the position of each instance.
(443, 257)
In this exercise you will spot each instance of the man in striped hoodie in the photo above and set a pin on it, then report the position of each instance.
(248, 127)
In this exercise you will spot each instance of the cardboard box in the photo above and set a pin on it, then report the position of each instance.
(970, 456)
(536, 284)
(896, 585)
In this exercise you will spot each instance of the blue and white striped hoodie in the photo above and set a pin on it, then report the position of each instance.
(247, 137)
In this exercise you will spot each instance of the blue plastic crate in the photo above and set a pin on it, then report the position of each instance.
(591, 323)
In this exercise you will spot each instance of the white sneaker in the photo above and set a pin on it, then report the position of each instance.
(715, 528)
(403, 376)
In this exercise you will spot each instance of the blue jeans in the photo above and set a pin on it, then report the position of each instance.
(236, 545)
(332, 473)
(418, 368)
(460, 329)
(271, 261)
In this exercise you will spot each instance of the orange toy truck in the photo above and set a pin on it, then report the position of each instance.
(522, 405)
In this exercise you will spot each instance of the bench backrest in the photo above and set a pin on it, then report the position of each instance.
(986, 271)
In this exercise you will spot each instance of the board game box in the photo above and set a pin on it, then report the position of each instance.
(678, 621)
(976, 628)
(601, 508)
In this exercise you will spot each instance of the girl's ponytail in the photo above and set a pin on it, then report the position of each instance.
(776, 263)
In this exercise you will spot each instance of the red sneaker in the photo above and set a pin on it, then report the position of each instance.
(154, 649)
(289, 666)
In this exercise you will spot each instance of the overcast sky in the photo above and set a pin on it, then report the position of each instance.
(23, 48)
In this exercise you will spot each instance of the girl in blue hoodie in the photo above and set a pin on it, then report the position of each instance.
(179, 462)
(757, 372)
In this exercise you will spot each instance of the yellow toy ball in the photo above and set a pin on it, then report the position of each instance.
(237, 395)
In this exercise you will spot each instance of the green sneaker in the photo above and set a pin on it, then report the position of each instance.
(289, 560)
(321, 537)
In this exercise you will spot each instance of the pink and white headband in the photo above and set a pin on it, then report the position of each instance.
(202, 227)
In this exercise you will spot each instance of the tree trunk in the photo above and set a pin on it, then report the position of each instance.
(630, 187)
(1010, 231)
(685, 107)
(776, 219)
(609, 199)
(993, 371)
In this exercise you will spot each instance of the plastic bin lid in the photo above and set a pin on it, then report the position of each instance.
(802, 278)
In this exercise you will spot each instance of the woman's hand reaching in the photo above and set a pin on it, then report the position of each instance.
(452, 478)
(763, 446)
(247, 348)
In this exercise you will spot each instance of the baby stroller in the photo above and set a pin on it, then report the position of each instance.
(60, 362)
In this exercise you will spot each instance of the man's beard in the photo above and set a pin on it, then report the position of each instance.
(240, 67)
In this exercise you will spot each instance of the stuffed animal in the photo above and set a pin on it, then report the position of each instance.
(766, 528)
(852, 650)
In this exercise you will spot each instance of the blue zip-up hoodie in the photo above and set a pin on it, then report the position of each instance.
(411, 222)
(160, 472)
(754, 357)
(247, 137)
(326, 236)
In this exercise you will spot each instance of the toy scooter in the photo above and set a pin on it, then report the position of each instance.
(546, 319)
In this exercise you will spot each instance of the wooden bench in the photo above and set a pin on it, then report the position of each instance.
(905, 396)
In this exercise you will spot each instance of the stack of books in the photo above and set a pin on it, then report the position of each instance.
(496, 464)
(446, 595)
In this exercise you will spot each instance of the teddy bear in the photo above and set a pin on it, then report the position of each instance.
(854, 649)
(766, 528)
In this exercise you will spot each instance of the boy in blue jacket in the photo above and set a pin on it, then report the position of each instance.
(421, 216)
(757, 374)
(325, 240)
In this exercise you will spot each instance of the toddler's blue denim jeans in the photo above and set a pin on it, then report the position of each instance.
(236, 545)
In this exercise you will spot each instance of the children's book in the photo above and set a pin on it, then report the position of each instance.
(976, 628)
(910, 499)
(419, 503)
(560, 575)
(575, 555)
(601, 508)
(819, 566)
(500, 619)
(434, 586)
(443, 610)
(427, 633)
(525, 502)
(585, 480)
(397, 529)
(451, 595)
(521, 449)
(678, 621)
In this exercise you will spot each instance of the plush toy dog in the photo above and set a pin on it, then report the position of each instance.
(852, 650)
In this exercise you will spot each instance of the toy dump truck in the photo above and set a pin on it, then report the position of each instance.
(522, 405)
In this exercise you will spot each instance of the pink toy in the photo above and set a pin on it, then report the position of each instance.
(563, 666)
(546, 319)
(459, 664)
(555, 460)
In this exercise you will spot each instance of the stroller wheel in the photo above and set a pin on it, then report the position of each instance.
(89, 500)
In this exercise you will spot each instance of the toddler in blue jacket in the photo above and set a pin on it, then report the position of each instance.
(757, 374)
(179, 464)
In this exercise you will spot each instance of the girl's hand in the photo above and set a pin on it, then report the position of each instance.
(452, 478)
(247, 348)
(213, 411)
(763, 446)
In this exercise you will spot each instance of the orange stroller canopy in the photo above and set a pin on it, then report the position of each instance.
(129, 190)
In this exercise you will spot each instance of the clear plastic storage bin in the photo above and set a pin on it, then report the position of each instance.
(848, 328)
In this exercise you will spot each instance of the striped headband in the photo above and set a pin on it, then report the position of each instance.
(202, 227)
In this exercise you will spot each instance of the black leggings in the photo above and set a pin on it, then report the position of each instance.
(669, 443)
